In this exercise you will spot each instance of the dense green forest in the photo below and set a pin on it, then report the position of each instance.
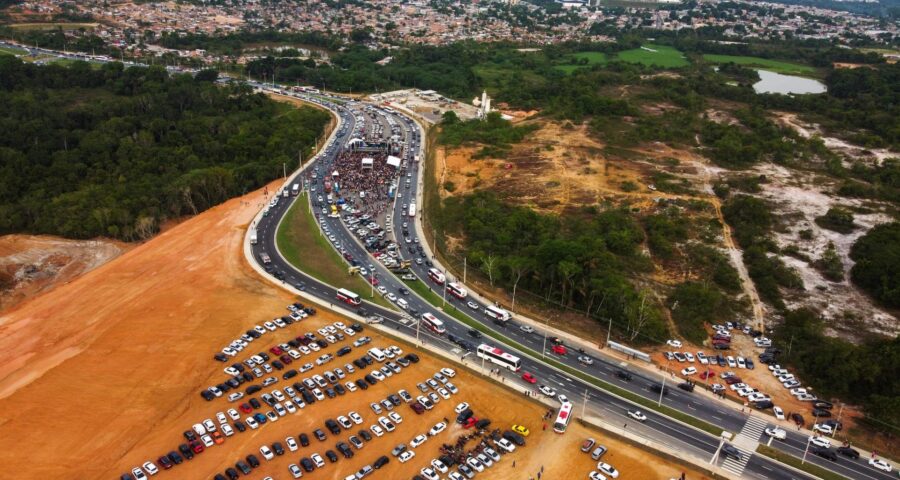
(877, 267)
(580, 261)
(111, 151)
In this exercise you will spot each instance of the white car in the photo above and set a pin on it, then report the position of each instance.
(150, 468)
(199, 429)
(461, 407)
(391, 297)
(824, 429)
(233, 414)
(406, 456)
(596, 476)
(688, 371)
(820, 441)
(418, 440)
(291, 443)
(227, 430)
(355, 417)
(378, 431)
(210, 426)
(437, 428)
(776, 432)
(731, 362)
(881, 465)
(386, 424)
(429, 474)
(295, 470)
(689, 356)
(779, 413)
(637, 415)
(318, 460)
(395, 417)
(266, 452)
(674, 343)
(608, 470)
(562, 398)
(138, 473)
(448, 372)
(443, 393)
(526, 329)
(547, 391)
(439, 465)
(704, 360)
(506, 445)
(251, 422)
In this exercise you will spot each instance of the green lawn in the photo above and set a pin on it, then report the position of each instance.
(302, 244)
(12, 51)
(658, 55)
(773, 65)
(574, 61)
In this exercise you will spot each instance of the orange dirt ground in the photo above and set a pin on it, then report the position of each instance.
(34, 264)
(103, 373)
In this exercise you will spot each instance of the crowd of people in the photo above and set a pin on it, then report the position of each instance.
(375, 182)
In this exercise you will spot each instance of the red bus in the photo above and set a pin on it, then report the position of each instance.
(436, 276)
(562, 418)
(433, 323)
(348, 297)
(457, 290)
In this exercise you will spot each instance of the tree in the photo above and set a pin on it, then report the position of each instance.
(877, 267)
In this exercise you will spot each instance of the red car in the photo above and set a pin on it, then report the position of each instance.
(373, 280)
(197, 446)
(246, 408)
(733, 380)
(707, 374)
(276, 350)
(558, 349)
(529, 378)
(286, 359)
(470, 422)
(218, 439)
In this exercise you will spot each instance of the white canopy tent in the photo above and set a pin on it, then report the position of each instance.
(393, 161)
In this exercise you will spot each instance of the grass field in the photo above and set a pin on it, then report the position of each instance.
(772, 65)
(593, 58)
(302, 244)
(658, 55)
(495, 76)
(12, 51)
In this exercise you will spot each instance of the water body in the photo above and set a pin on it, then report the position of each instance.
(771, 82)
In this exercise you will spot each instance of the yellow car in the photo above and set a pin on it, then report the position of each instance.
(520, 430)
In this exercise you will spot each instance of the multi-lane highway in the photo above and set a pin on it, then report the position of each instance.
(607, 406)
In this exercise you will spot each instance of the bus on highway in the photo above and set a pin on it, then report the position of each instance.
(562, 418)
(457, 290)
(348, 297)
(412, 210)
(499, 357)
(436, 276)
(498, 314)
(264, 258)
(433, 324)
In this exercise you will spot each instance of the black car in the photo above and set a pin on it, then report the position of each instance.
(623, 375)
(264, 355)
(686, 386)
(304, 439)
(207, 395)
(252, 460)
(234, 382)
(819, 412)
(221, 357)
(412, 357)
(464, 416)
(219, 476)
(731, 451)
(369, 378)
(279, 450)
(483, 424)
(367, 360)
(255, 403)
(189, 435)
(333, 426)
(514, 437)
(174, 457)
(319, 434)
(848, 452)
(322, 343)
(252, 389)
(658, 388)
(186, 451)
(382, 461)
(277, 365)
(825, 453)
(356, 327)
(834, 424)
(395, 399)
(823, 405)
(331, 456)
(330, 393)
(764, 404)
(308, 397)
(307, 464)
(343, 351)
(474, 333)
(247, 376)
(365, 435)
(243, 467)
(361, 384)
(360, 364)
(232, 474)
(239, 425)
(289, 374)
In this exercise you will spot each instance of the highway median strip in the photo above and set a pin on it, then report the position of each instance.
(795, 462)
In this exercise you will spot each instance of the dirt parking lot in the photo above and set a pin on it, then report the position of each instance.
(103, 373)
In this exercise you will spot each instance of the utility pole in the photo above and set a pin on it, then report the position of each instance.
(608, 332)
(444, 299)
(584, 403)
(417, 333)
(464, 269)
(834, 429)
(546, 329)
(284, 170)
(806, 450)
(661, 392)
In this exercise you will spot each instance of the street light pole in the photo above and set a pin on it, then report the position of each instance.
(608, 332)
(661, 392)
(584, 404)
(834, 429)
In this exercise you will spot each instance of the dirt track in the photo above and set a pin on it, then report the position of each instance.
(103, 373)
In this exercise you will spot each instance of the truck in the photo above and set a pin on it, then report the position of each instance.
(327, 186)
(412, 210)
(253, 238)
(295, 190)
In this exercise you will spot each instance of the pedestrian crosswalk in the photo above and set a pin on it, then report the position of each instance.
(746, 442)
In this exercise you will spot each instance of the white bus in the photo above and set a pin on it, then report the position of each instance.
(295, 189)
(499, 357)
(433, 323)
(412, 210)
(436, 276)
(457, 290)
(562, 418)
(264, 257)
(498, 314)
(348, 297)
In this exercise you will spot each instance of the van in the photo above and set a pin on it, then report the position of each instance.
(377, 354)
